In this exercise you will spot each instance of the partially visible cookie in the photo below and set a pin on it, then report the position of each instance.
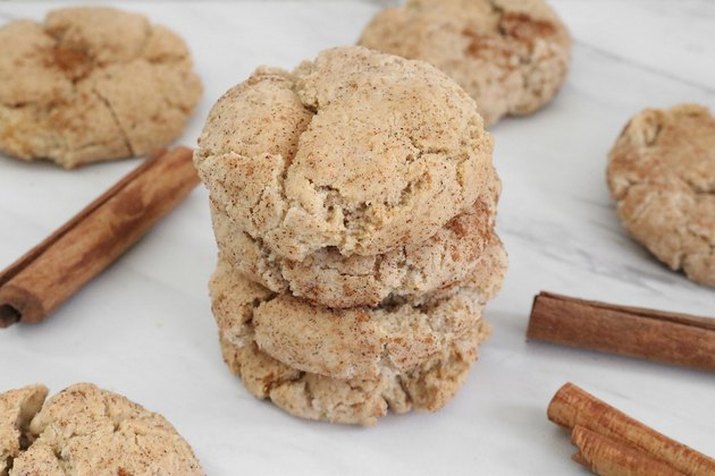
(92, 84)
(355, 401)
(85, 431)
(17, 407)
(511, 56)
(414, 272)
(661, 172)
(357, 151)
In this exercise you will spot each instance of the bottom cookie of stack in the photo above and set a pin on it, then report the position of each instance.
(357, 401)
(351, 365)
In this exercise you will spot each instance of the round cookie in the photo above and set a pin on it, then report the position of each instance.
(348, 343)
(661, 172)
(356, 401)
(357, 151)
(411, 272)
(84, 430)
(92, 84)
(511, 56)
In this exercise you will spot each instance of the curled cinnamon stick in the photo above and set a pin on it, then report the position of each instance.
(45, 277)
(668, 337)
(573, 407)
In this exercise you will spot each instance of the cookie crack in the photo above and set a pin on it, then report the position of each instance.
(403, 387)
(273, 267)
(698, 190)
(437, 327)
(652, 141)
(334, 199)
(29, 407)
(63, 462)
(287, 162)
(7, 464)
(642, 207)
(251, 209)
(115, 118)
(496, 10)
(276, 384)
(148, 33)
(707, 240)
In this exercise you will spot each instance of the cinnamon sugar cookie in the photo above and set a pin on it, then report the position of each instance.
(357, 151)
(356, 342)
(355, 401)
(415, 272)
(17, 407)
(92, 84)
(85, 431)
(661, 173)
(511, 56)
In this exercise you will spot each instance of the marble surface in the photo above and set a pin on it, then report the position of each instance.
(144, 328)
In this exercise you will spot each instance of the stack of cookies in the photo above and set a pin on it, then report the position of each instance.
(353, 203)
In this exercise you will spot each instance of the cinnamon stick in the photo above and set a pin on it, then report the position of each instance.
(573, 407)
(578, 457)
(607, 457)
(46, 276)
(668, 337)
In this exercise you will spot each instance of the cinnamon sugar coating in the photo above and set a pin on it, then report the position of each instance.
(511, 56)
(414, 272)
(92, 84)
(661, 172)
(83, 431)
(357, 151)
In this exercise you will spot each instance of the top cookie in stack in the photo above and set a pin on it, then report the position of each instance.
(359, 184)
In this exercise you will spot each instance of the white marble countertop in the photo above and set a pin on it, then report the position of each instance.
(144, 327)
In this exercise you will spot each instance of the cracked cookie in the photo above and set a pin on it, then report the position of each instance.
(358, 152)
(92, 84)
(511, 56)
(661, 172)
(415, 272)
(84, 431)
(429, 386)
(348, 343)
(17, 407)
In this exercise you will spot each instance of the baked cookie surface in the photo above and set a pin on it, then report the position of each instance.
(349, 343)
(511, 56)
(85, 431)
(17, 407)
(661, 172)
(92, 84)
(357, 151)
(355, 401)
(415, 272)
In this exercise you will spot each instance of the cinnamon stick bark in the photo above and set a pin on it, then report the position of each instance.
(673, 338)
(573, 407)
(607, 457)
(45, 277)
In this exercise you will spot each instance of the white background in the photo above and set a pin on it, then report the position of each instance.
(144, 327)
